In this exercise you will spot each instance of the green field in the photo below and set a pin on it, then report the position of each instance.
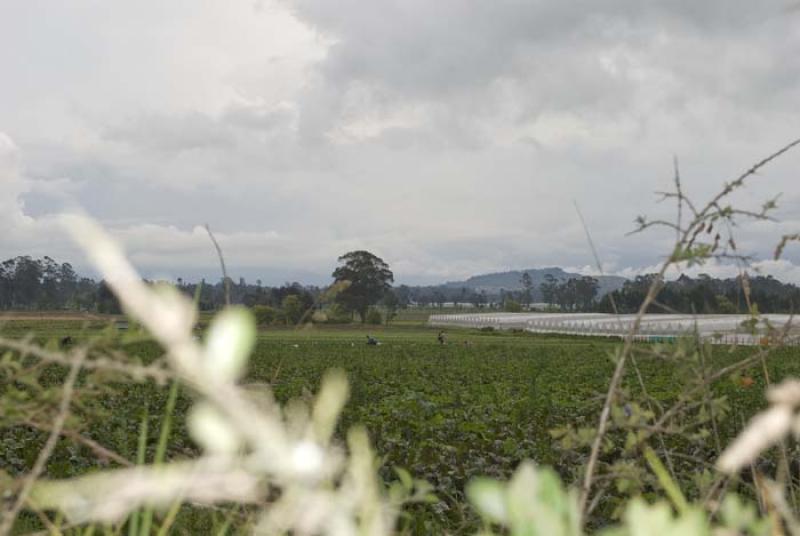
(477, 405)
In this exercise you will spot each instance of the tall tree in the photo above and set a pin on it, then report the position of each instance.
(68, 280)
(586, 288)
(293, 309)
(369, 276)
(27, 282)
(107, 301)
(527, 289)
(548, 289)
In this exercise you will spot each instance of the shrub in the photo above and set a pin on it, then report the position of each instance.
(265, 315)
(338, 315)
(374, 317)
(725, 305)
(318, 317)
(512, 306)
(293, 309)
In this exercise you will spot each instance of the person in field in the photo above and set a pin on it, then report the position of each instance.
(372, 341)
(440, 337)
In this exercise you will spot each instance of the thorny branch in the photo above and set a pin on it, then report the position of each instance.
(698, 223)
(155, 371)
(94, 446)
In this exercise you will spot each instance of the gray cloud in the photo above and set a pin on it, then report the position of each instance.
(451, 137)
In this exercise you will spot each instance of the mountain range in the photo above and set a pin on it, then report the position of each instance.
(512, 280)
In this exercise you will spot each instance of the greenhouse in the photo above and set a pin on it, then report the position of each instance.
(722, 329)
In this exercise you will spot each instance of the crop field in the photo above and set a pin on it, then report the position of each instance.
(477, 405)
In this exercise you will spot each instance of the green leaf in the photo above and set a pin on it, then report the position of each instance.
(405, 478)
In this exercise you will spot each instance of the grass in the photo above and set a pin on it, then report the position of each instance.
(477, 405)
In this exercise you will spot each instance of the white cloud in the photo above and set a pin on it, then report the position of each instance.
(11, 182)
(21, 233)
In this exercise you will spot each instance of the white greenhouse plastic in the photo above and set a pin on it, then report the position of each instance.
(720, 329)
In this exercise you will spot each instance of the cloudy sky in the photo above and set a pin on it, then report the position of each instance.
(450, 137)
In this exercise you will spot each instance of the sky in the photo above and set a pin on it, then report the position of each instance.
(450, 138)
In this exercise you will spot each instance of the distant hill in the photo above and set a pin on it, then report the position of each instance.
(492, 283)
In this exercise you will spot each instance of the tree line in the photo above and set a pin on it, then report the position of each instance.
(362, 287)
(706, 295)
(27, 283)
(362, 282)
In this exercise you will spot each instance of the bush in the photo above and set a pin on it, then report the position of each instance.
(338, 315)
(512, 306)
(265, 315)
(318, 317)
(293, 309)
(374, 317)
(725, 306)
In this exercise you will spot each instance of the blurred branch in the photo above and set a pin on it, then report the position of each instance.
(154, 372)
(94, 446)
(108, 496)
(44, 455)
(782, 244)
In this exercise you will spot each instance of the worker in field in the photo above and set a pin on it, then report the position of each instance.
(372, 341)
(440, 337)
